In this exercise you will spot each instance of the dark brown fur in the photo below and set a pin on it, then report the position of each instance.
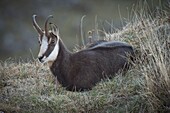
(82, 70)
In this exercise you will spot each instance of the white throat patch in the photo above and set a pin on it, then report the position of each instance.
(53, 55)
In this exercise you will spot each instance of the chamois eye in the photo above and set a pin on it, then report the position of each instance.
(52, 42)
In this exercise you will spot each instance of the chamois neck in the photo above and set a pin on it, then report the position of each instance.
(63, 48)
(63, 55)
(61, 64)
(63, 51)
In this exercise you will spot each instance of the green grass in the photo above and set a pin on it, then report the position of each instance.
(29, 87)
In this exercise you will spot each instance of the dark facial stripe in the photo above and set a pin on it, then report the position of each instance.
(51, 45)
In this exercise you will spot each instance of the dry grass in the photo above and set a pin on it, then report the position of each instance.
(29, 87)
(150, 36)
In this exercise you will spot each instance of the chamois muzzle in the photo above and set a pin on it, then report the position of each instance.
(40, 59)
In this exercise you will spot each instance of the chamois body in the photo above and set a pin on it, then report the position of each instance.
(81, 70)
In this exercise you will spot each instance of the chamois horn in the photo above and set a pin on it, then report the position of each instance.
(46, 23)
(36, 25)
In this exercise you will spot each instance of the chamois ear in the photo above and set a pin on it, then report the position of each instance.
(54, 29)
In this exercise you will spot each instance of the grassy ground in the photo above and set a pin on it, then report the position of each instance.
(29, 87)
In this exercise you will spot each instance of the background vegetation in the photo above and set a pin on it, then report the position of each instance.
(29, 86)
(18, 37)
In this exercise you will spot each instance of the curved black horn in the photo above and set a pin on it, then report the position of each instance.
(36, 25)
(46, 23)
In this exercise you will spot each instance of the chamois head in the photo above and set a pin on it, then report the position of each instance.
(48, 40)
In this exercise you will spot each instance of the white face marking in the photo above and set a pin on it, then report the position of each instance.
(44, 46)
(54, 53)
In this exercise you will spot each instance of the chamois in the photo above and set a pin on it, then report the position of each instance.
(80, 71)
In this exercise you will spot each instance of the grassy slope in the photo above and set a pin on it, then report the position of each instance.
(29, 87)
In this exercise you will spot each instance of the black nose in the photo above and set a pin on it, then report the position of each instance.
(40, 58)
